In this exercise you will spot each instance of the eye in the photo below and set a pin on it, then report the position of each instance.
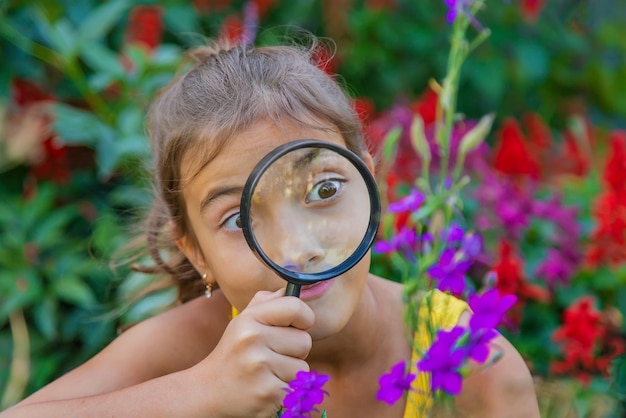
(233, 222)
(324, 190)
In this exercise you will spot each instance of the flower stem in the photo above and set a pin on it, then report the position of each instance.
(20, 362)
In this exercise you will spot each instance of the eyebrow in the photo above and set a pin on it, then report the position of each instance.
(218, 193)
(306, 159)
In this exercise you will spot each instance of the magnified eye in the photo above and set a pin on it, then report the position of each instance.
(324, 190)
(233, 222)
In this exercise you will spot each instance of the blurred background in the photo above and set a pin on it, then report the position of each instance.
(549, 191)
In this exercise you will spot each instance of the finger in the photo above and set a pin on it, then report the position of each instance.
(290, 341)
(286, 368)
(284, 312)
(264, 296)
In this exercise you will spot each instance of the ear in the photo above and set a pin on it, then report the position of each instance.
(190, 249)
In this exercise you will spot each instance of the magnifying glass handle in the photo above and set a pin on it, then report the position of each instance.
(293, 290)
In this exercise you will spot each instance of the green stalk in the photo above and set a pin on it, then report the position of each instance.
(20, 361)
(447, 98)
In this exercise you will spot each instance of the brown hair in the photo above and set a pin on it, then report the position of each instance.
(224, 90)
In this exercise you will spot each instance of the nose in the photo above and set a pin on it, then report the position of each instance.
(294, 244)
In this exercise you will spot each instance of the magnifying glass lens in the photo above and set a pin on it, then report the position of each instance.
(310, 210)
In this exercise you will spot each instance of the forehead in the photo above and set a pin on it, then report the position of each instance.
(241, 152)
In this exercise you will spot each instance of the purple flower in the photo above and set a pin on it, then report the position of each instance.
(405, 240)
(409, 203)
(456, 7)
(511, 204)
(395, 383)
(489, 308)
(514, 214)
(461, 7)
(303, 393)
(450, 272)
(559, 265)
(453, 234)
(563, 260)
(472, 245)
(477, 345)
(250, 22)
(443, 360)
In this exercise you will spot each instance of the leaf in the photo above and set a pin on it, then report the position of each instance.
(20, 289)
(100, 21)
(60, 34)
(33, 211)
(7, 214)
(431, 204)
(100, 81)
(74, 290)
(618, 376)
(182, 20)
(134, 145)
(390, 143)
(46, 317)
(79, 127)
(50, 229)
(101, 59)
(130, 121)
(106, 157)
(107, 235)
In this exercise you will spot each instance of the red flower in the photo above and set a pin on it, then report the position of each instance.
(145, 26)
(531, 9)
(615, 169)
(573, 161)
(581, 325)
(582, 339)
(539, 135)
(55, 165)
(608, 240)
(510, 280)
(512, 156)
(25, 93)
(52, 161)
(325, 60)
(426, 106)
(364, 107)
(232, 29)
(264, 6)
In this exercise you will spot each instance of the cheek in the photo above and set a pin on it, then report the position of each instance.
(239, 273)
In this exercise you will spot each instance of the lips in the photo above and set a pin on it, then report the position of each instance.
(316, 290)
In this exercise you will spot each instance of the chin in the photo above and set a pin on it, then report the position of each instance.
(329, 321)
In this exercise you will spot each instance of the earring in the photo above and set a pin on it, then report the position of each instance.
(208, 285)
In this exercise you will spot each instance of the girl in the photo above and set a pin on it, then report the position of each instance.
(232, 354)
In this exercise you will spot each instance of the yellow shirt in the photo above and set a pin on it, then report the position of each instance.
(437, 311)
(442, 311)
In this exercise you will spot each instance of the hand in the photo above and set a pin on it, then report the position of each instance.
(259, 353)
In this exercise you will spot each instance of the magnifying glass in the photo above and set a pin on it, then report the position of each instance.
(310, 210)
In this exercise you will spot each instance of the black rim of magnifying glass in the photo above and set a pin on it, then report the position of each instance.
(368, 238)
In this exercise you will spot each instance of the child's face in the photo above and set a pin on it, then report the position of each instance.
(224, 254)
